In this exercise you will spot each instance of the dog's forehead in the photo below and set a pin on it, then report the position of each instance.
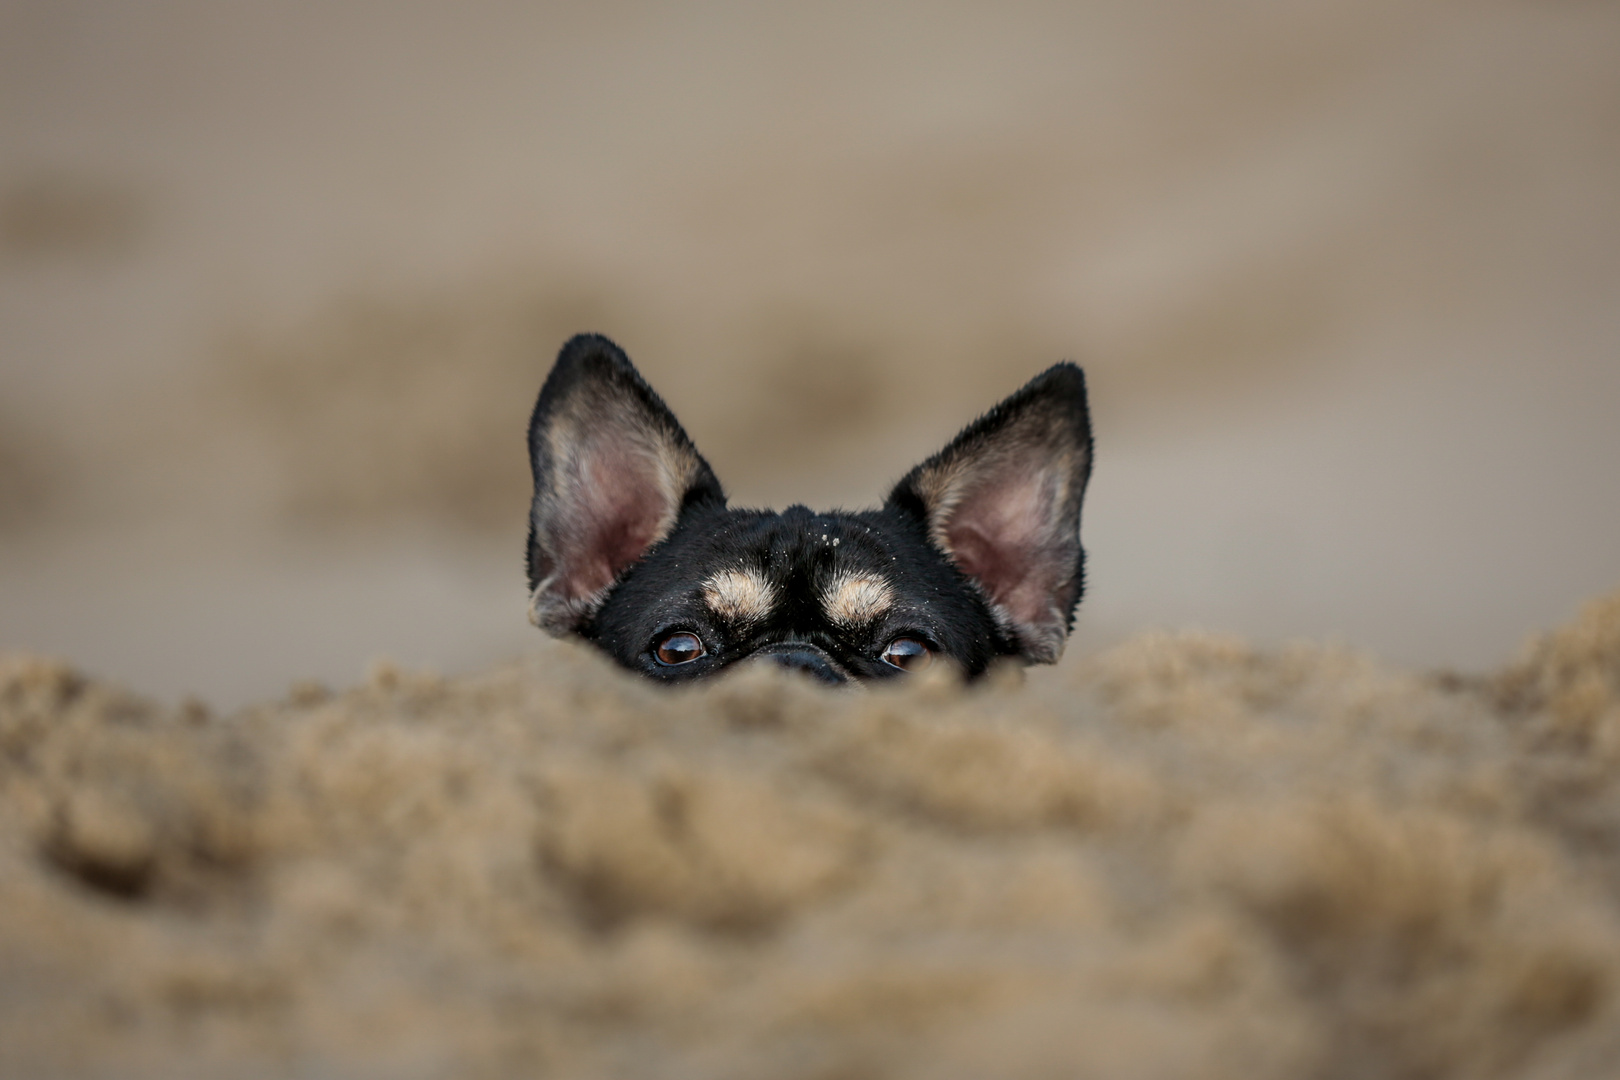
(741, 594)
(851, 597)
(837, 564)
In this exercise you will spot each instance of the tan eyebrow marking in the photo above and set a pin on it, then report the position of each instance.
(743, 595)
(850, 599)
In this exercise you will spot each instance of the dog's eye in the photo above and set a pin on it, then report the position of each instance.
(681, 648)
(907, 654)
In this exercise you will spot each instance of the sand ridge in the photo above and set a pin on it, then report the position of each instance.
(1183, 857)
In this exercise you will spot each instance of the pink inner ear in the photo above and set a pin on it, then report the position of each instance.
(621, 510)
(1002, 534)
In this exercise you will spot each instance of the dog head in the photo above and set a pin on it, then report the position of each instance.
(974, 555)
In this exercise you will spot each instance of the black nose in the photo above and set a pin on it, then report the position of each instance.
(811, 661)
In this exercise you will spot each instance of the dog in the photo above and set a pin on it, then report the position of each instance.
(975, 554)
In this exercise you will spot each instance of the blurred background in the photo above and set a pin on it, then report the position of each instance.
(279, 282)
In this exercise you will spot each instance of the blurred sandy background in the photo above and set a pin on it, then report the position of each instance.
(278, 284)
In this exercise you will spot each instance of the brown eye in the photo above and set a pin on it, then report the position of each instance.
(681, 648)
(907, 654)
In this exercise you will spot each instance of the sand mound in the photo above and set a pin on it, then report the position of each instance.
(1183, 858)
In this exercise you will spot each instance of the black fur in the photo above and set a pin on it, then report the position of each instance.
(598, 431)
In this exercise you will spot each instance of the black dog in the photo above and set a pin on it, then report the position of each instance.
(976, 553)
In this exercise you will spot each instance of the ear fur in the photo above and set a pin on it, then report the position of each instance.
(1002, 502)
(612, 472)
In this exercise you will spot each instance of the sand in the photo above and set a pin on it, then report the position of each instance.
(1184, 857)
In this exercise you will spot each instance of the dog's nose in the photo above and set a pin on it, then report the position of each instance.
(810, 660)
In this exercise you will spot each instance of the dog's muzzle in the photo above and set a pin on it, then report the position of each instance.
(805, 657)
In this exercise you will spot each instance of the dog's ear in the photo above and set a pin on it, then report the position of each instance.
(612, 472)
(1002, 502)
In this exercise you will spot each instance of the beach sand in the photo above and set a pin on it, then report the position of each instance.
(1184, 857)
